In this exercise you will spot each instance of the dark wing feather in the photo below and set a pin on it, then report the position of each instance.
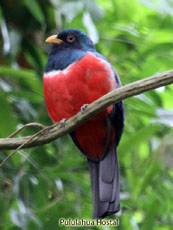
(117, 114)
(117, 118)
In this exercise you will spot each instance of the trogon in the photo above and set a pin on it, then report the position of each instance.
(76, 75)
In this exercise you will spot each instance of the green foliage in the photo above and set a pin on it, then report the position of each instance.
(40, 185)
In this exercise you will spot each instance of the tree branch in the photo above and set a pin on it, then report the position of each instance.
(50, 133)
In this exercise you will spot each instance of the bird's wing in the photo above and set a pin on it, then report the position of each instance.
(117, 114)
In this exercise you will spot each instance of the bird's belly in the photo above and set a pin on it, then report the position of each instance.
(81, 83)
(92, 137)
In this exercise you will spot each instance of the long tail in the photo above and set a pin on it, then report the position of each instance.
(105, 185)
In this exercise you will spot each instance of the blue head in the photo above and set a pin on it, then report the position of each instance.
(68, 46)
(71, 39)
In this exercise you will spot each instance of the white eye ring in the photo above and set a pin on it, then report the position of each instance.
(71, 38)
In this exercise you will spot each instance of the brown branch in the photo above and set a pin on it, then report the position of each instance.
(50, 133)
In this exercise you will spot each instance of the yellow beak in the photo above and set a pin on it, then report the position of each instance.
(54, 39)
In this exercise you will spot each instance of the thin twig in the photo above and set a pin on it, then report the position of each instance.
(27, 141)
(33, 124)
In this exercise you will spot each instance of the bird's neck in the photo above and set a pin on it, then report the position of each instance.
(63, 58)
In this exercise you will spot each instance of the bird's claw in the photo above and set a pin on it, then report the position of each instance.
(62, 122)
(83, 108)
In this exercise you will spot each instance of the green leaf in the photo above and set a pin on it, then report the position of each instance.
(136, 138)
(26, 77)
(1, 16)
(34, 8)
(8, 121)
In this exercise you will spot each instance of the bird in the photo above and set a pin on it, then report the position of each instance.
(76, 75)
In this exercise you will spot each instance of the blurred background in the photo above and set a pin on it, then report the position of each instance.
(40, 185)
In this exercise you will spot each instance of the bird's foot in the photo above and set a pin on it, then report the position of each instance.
(62, 122)
(83, 108)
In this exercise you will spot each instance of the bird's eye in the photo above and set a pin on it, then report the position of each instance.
(70, 38)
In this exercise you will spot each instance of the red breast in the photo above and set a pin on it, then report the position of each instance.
(66, 91)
